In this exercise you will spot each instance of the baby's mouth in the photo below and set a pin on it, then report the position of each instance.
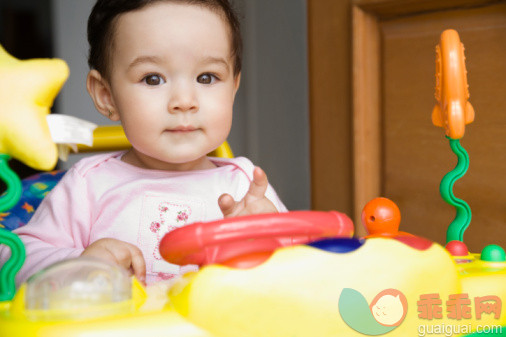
(183, 129)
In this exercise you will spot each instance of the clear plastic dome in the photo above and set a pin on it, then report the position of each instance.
(77, 289)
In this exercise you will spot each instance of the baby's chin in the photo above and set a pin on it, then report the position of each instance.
(184, 154)
(187, 163)
(173, 161)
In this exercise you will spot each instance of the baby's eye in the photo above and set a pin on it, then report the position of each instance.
(206, 78)
(153, 79)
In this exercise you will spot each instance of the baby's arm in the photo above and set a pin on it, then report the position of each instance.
(39, 254)
(254, 202)
(59, 229)
(120, 252)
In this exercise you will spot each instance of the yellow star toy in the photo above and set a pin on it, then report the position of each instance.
(27, 91)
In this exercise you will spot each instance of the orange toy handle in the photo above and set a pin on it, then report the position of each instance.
(204, 243)
(453, 110)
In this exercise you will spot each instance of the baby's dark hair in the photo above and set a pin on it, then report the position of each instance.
(105, 13)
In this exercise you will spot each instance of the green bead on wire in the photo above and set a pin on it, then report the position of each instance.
(463, 212)
(11, 267)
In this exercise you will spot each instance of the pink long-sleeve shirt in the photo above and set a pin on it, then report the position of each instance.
(104, 197)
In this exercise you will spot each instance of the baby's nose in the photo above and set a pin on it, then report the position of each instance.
(183, 98)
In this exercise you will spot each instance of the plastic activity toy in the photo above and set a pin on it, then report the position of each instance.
(249, 241)
(27, 91)
(453, 111)
(293, 274)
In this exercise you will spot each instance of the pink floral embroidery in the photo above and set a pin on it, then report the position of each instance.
(155, 227)
(165, 276)
(182, 216)
(170, 217)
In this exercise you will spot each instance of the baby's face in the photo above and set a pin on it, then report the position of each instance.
(172, 83)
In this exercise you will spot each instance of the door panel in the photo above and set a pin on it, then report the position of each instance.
(329, 37)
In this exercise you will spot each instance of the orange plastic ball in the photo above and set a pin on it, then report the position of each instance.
(381, 216)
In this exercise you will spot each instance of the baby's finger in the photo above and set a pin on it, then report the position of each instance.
(258, 186)
(227, 204)
(138, 264)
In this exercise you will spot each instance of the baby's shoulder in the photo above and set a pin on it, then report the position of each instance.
(98, 161)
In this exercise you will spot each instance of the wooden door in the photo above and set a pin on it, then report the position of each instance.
(397, 152)
(330, 114)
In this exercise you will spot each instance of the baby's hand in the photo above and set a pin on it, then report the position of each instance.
(121, 253)
(254, 202)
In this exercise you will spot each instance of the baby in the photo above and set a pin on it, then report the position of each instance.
(169, 71)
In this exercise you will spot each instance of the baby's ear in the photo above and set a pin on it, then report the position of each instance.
(237, 82)
(100, 93)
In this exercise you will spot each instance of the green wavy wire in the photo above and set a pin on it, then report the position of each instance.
(14, 189)
(10, 268)
(463, 217)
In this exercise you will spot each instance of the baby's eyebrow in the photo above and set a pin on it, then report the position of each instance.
(144, 59)
(212, 59)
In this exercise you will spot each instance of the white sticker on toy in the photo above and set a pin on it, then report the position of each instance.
(70, 130)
